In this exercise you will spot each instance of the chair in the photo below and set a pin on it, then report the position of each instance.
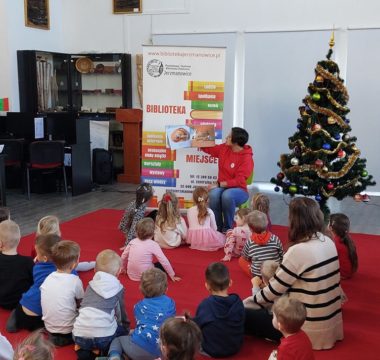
(14, 160)
(247, 203)
(46, 157)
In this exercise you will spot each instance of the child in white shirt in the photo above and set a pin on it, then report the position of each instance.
(60, 293)
(171, 228)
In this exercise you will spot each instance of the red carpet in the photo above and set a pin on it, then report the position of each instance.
(98, 230)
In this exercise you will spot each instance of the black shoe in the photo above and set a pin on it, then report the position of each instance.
(11, 325)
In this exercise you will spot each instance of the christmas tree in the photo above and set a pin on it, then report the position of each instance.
(325, 161)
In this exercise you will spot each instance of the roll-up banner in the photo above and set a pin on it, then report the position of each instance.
(183, 96)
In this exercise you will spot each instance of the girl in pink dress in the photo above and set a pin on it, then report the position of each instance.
(202, 233)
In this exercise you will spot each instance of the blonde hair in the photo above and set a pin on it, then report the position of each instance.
(268, 269)
(145, 229)
(108, 261)
(291, 313)
(168, 215)
(48, 225)
(200, 197)
(153, 283)
(10, 234)
(257, 221)
(65, 253)
(35, 347)
(260, 202)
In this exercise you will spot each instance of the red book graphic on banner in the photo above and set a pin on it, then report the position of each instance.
(203, 95)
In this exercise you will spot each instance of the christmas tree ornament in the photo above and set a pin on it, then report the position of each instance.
(276, 189)
(341, 154)
(318, 163)
(358, 197)
(294, 161)
(325, 169)
(364, 173)
(307, 108)
(316, 127)
(293, 189)
(358, 183)
(354, 147)
(318, 197)
(346, 137)
(330, 186)
(299, 126)
(319, 79)
(331, 120)
(337, 136)
(316, 96)
(326, 146)
(280, 176)
(297, 151)
(347, 121)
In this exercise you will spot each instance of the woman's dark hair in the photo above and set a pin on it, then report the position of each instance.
(305, 220)
(181, 338)
(239, 136)
(340, 225)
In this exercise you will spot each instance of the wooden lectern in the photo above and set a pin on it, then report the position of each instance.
(132, 135)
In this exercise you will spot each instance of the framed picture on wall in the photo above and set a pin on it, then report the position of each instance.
(127, 6)
(37, 14)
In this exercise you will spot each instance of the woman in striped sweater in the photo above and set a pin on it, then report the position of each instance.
(310, 273)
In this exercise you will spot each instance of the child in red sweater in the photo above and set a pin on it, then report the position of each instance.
(348, 258)
(288, 317)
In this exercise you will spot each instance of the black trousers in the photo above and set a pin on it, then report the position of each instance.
(24, 321)
(259, 323)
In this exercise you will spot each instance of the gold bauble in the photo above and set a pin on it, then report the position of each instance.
(331, 120)
(319, 79)
(325, 169)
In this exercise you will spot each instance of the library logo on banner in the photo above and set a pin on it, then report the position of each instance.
(155, 68)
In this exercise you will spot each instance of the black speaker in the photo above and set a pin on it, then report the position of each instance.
(101, 166)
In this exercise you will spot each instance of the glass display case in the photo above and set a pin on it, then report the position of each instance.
(67, 82)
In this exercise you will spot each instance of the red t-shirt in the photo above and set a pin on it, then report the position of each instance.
(295, 347)
(344, 258)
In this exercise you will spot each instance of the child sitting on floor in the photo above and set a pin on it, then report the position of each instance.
(60, 293)
(102, 315)
(28, 313)
(50, 225)
(16, 271)
(149, 313)
(263, 245)
(171, 228)
(138, 255)
(35, 347)
(348, 258)
(288, 317)
(261, 202)
(135, 211)
(268, 269)
(221, 315)
(237, 237)
(180, 338)
(202, 233)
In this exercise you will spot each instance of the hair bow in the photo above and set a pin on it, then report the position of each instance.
(200, 199)
(167, 198)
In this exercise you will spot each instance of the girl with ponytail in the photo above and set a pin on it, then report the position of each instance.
(202, 233)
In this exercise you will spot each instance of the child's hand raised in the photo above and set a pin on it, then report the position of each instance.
(176, 278)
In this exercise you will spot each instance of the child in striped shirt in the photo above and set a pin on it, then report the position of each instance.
(263, 245)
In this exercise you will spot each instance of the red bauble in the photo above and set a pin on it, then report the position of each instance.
(316, 127)
(318, 163)
(341, 153)
(280, 176)
(330, 186)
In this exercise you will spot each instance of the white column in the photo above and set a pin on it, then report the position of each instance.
(238, 119)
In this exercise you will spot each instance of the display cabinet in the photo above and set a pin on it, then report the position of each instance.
(51, 81)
